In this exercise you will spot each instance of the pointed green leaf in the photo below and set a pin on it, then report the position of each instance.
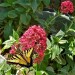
(8, 30)
(8, 43)
(34, 5)
(60, 33)
(38, 73)
(15, 35)
(3, 14)
(12, 14)
(10, 1)
(25, 19)
(48, 44)
(4, 5)
(62, 41)
(46, 2)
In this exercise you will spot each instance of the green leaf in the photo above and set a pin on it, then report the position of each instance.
(50, 73)
(10, 1)
(3, 14)
(44, 63)
(23, 3)
(15, 35)
(0, 41)
(62, 41)
(60, 60)
(38, 73)
(72, 30)
(8, 72)
(60, 33)
(2, 62)
(12, 14)
(65, 70)
(34, 5)
(1, 72)
(25, 19)
(20, 9)
(55, 51)
(46, 2)
(48, 44)
(4, 5)
(8, 30)
(72, 72)
(8, 43)
(49, 68)
(5, 69)
(70, 61)
(44, 73)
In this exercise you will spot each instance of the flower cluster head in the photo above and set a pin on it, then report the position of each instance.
(34, 37)
(67, 7)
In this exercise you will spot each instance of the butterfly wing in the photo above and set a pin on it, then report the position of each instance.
(23, 58)
(27, 55)
(18, 60)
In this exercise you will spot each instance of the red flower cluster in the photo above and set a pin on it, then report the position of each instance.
(39, 58)
(13, 49)
(34, 37)
(67, 7)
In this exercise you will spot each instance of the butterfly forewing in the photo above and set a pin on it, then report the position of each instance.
(23, 58)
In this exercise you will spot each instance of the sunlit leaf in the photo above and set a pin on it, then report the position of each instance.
(60, 33)
(48, 43)
(15, 35)
(60, 60)
(38, 73)
(62, 41)
(8, 43)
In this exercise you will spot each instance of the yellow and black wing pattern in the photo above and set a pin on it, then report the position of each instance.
(24, 58)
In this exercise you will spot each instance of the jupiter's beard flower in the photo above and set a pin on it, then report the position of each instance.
(67, 7)
(34, 37)
(13, 49)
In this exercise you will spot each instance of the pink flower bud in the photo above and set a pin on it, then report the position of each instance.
(12, 51)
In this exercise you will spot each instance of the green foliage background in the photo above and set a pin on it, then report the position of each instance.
(18, 15)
